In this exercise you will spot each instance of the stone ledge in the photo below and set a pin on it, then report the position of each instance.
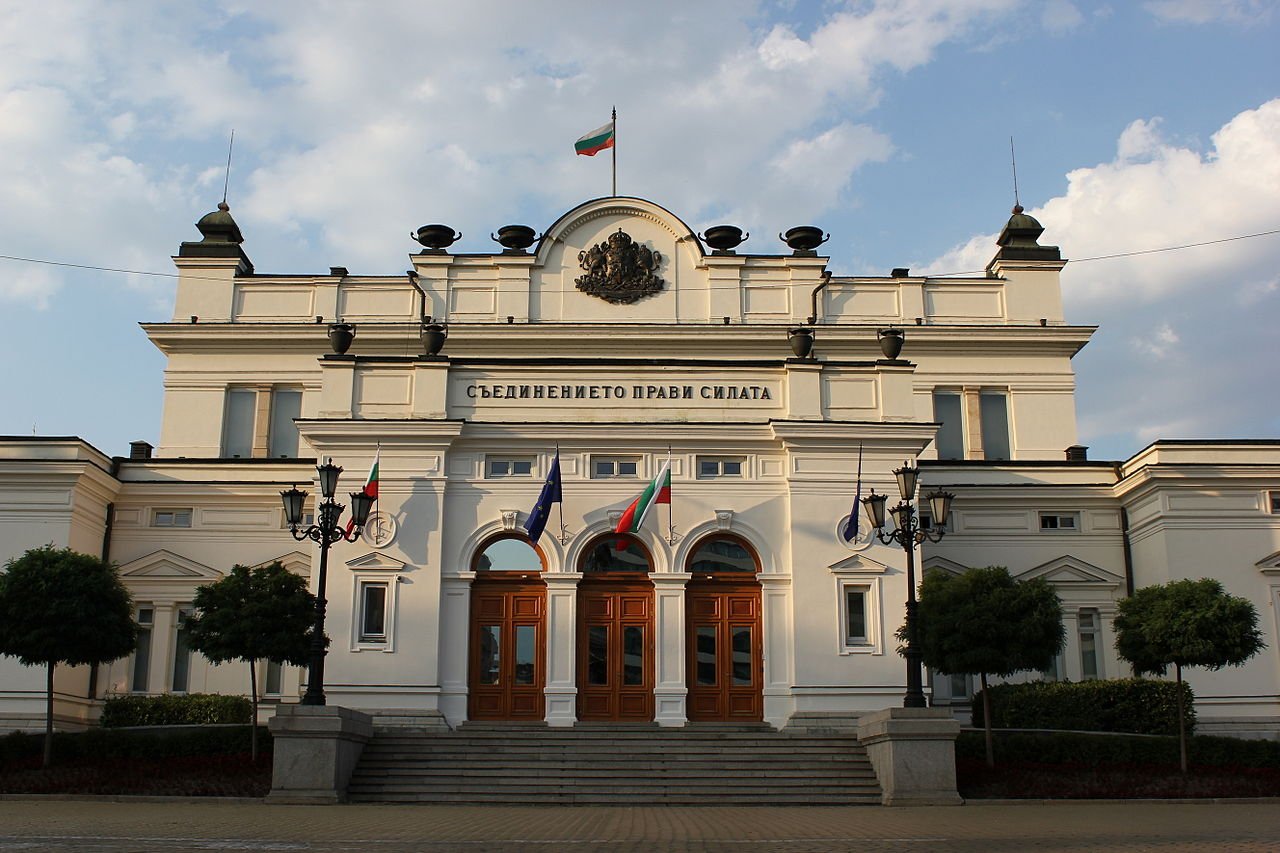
(913, 753)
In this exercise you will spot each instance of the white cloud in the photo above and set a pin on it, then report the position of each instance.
(1060, 16)
(1207, 11)
(1218, 312)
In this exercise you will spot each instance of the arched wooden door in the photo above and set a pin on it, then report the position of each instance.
(615, 633)
(508, 644)
(724, 642)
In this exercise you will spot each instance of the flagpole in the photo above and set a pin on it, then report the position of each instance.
(614, 148)
(671, 527)
(564, 531)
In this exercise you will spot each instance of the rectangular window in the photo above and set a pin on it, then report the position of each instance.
(308, 519)
(282, 440)
(994, 412)
(604, 467)
(275, 678)
(855, 616)
(237, 423)
(1090, 661)
(171, 518)
(1273, 498)
(181, 655)
(373, 612)
(950, 437)
(710, 467)
(142, 652)
(927, 523)
(508, 466)
(1060, 521)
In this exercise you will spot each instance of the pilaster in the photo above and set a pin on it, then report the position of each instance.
(670, 689)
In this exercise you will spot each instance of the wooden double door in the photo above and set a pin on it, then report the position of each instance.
(725, 650)
(508, 650)
(615, 649)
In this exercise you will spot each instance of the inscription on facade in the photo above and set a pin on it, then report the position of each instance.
(509, 391)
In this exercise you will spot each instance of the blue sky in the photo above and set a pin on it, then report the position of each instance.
(1138, 125)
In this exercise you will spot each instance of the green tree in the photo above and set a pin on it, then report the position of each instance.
(984, 622)
(251, 615)
(60, 606)
(1186, 623)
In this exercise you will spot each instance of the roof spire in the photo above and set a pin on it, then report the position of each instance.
(1013, 158)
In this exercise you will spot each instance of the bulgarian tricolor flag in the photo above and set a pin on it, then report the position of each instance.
(657, 492)
(595, 141)
(370, 484)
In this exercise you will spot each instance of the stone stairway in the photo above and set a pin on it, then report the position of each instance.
(700, 764)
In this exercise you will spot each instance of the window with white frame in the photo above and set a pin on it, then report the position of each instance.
(282, 434)
(713, 467)
(992, 425)
(508, 466)
(1065, 522)
(181, 653)
(859, 614)
(266, 422)
(145, 618)
(373, 612)
(274, 680)
(605, 467)
(1090, 627)
(171, 518)
(374, 616)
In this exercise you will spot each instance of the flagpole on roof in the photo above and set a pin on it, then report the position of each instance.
(615, 152)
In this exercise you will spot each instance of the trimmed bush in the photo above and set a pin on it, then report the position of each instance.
(101, 744)
(1135, 705)
(174, 710)
(1074, 748)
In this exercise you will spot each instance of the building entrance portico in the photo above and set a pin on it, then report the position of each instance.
(506, 667)
(615, 647)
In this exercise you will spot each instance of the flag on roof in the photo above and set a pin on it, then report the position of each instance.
(595, 141)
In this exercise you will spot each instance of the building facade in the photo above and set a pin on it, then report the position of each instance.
(619, 342)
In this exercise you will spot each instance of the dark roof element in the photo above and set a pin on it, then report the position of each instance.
(222, 238)
(1018, 240)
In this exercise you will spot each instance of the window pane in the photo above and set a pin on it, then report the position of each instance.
(626, 469)
(603, 468)
(598, 655)
(509, 555)
(950, 438)
(275, 673)
(490, 653)
(721, 554)
(181, 656)
(706, 655)
(283, 439)
(526, 653)
(633, 654)
(732, 468)
(605, 556)
(142, 658)
(707, 468)
(521, 467)
(856, 613)
(373, 624)
(995, 425)
(237, 423)
(499, 467)
(742, 655)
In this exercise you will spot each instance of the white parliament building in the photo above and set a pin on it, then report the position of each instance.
(619, 338)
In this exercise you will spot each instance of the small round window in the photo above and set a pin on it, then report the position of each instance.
(509, 554)
(616, 553)
(722, 554)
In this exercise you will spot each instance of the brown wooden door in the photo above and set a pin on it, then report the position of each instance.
(615, 650)
(725, 660)
(508, 650)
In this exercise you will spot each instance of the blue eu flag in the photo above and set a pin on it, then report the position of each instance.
(542, 509)
(851, 526)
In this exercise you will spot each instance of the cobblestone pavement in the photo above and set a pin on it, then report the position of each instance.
(182, 825)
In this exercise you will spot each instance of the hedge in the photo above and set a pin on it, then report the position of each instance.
(99, 744)
(1135, 705)
(1077, 748)
(174, 710)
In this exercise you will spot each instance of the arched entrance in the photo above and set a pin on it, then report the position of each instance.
(507, 666)
(615, 631)
(725, 647)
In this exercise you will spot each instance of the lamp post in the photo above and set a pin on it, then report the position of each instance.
(908, 533)
(324, 531)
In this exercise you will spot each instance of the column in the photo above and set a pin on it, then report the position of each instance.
(562, 645)
(670, 689)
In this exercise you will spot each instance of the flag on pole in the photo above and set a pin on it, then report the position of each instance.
(851, 526)
(596, 141)
(549, 495)
(657, 492)
(370, 487)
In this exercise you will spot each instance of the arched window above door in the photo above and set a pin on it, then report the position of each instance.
(508, 554)
(604, 556)
(723, 554)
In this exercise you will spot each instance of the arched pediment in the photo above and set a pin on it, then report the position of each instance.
(613, 208)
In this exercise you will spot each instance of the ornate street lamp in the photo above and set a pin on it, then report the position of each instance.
(908, 533)
(325, 531)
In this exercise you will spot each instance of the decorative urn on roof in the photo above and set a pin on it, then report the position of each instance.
(804, 239)
(723, 239)
(514, 239)
(436, 238)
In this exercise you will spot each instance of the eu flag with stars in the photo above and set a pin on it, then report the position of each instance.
(542, 509)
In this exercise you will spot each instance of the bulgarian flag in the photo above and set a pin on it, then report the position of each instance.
(370, 484)
(595, 141)
(657, 492)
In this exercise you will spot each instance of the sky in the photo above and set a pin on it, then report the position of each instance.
(1137, 125)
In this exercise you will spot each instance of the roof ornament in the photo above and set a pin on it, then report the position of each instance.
(620, 270)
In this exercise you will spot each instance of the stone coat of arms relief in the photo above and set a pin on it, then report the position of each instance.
(620, 270)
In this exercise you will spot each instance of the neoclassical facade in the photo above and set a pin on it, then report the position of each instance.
(619, 340)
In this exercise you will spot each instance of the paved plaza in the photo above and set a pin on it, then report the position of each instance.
(181, 825)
